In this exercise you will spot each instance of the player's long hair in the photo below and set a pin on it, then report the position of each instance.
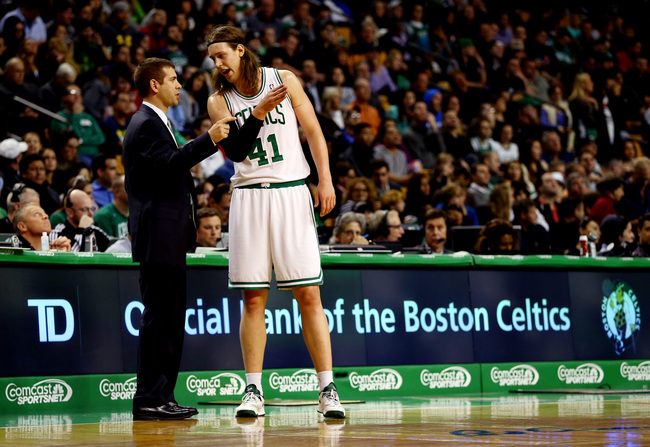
(249, 64)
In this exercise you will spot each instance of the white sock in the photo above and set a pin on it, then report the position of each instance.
(255, 379)
(325, 378)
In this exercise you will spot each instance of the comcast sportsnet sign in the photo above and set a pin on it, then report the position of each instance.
(380, 380)
(48, 391)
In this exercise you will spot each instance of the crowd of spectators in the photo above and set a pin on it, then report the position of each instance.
(527, 123)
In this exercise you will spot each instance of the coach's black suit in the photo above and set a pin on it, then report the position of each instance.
(161, 222)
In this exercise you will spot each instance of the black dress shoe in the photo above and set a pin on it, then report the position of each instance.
(166, 411)
(192, 410)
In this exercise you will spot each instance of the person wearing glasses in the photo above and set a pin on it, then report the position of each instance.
(19, 196)
(79, 224)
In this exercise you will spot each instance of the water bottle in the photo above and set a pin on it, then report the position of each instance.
(45, 242)
(89, 241)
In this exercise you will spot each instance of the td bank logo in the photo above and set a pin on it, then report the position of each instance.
(585, 373)
(44, 392)
(621, 316)
(224, 384)
(118, 390)
(380, 380)
(47, 320)
(520, 375)
(301, 380)
(452, 377)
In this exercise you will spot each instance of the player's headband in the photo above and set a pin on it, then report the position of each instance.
(236, 42)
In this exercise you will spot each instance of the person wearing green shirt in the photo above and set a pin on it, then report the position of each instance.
(113, 218)
(84, 124)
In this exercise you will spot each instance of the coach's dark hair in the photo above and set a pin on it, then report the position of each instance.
(150, 68)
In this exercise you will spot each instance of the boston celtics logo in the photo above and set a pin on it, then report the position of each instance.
(621, 315)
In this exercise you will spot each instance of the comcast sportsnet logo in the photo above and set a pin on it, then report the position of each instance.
(520, 375)
(452, 377)
(224, 384)
(621, 316)
(638, 373)
(380, 380)
(301, 380)
(585, 373)
(118, 390)
(44, 392)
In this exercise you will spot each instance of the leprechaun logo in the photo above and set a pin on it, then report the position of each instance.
(621, 315)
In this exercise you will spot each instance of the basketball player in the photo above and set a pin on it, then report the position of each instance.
(271, 211)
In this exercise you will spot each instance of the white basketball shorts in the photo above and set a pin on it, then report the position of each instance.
(272, 227)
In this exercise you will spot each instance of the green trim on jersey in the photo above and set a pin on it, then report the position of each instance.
(277, 75)
(241, 95)
(225, 97)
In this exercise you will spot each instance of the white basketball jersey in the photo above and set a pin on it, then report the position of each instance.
(276, 156)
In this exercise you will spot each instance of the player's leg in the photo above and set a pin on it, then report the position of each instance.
(317, 338)
(252, 336)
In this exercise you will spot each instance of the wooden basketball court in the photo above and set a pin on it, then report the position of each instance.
(498, 419)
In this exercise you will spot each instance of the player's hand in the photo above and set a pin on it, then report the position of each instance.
(325, 197)
(220, 129)
(270, 101)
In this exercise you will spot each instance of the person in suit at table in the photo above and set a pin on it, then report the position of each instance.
(161, 210)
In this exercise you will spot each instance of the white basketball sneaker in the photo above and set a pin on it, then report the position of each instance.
(252, 404)
(329, 404)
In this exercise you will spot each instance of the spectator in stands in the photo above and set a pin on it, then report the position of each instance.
(208, 230)
(19, 196)
(68, 166)
(359, 191)
(617, 237)
(265, 17)
(435, 233)
(79, 225)
(369, 114)
(104, 169)
(113, 218)
(499, 204)
(564, 235)
(534, 238)
(52, 92)
(498, 237)
(483, 141)
(114, 126)
(611, 192)
(220, 201)
(643, 249)
(549, 195)
(422, 136)
(386, 229)
(455, 194)
(479, 190)
(393, 152)
(32, 171)
(637, 186)
(11, 152)
(576, 185)
(30, 222)
(20, 118)
(455, 142)
(29, 12)
(380, 177)
(506, 149)
(85, 126)
(360, 152)
(349, 228)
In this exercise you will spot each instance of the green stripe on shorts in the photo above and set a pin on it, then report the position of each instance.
(273, 185)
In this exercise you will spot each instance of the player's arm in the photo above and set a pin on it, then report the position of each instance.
(307, 118)
(240, 140)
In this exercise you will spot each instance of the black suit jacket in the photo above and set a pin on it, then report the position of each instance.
(159, 186)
